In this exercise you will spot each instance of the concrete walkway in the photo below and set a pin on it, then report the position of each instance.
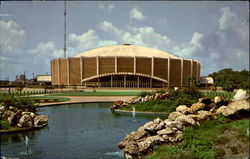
(87, 99)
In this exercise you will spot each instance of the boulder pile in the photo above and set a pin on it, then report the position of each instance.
(157, 132)
(23, 119)
(120, 104)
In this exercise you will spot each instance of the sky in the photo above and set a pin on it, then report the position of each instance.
(216, 33)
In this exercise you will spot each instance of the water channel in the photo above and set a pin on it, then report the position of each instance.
(75, 131)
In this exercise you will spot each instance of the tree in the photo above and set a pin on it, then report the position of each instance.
(229, 79)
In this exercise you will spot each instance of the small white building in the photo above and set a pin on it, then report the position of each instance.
(206, 81)
(44, 79)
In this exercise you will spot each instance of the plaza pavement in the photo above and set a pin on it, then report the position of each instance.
(87, 99)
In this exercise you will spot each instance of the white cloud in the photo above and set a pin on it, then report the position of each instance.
(12, 36)
(136, 14)
(5, 15)
(107, 7)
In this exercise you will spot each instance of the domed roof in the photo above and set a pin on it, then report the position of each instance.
(124, 51)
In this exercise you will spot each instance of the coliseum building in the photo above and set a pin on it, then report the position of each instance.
(124, 66)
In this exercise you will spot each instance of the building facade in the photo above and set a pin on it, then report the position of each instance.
(124, 66)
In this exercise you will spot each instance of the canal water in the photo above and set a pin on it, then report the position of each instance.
(75, 131)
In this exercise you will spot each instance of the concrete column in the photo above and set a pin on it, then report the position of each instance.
(152, 66)
(81, 76)
(169, 72)
(115, 64)
(52, 71)
(134, 64)
(97, 65)
(59, 80)
(197, 78)
(68, 71)
(191, 72)
(181, 72)
(125, 81)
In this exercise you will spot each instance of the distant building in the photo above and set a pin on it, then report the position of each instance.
(43, 79)
(206, 82)
(124, 66)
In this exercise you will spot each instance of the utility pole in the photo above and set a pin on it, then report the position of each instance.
(64, 28)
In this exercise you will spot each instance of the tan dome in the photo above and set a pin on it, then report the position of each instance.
(125, 50)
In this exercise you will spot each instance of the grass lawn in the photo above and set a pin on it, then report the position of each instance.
(60, 99)
(153, 106)
(214, 139)
(226, 95)
(125, 93)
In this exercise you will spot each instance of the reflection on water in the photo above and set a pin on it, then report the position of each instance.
(88, 130)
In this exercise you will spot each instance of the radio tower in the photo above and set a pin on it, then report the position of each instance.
(65, 29)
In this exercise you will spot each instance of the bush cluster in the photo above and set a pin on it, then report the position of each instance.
(24, 103)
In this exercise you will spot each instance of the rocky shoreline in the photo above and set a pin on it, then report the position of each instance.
(22, 120)
(140, 143)
(120, 104)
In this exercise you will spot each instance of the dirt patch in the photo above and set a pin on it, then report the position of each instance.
(231, 144)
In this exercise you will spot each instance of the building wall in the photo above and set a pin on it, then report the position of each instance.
(74, 71)
(161, 68)
(186, 71)
(63, 71)
(54, 73)
(175, 72)
(72, 67)
(89, 67)
(143, 65)
(125, 64)
(106, 65)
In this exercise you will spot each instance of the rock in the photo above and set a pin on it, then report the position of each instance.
(177, 137)
(157, 95)
(119, 102)
(205, 113)
(149, 143)
(166, 131)
(172, 116)
(217, 99)
(206, 101)
(183, 109)
(11, 117)
(132, 149)
(153, 126)
(40, 121)
(151, 97)
(239, 108)
(26, 121)
(202, 115)
(128, 156)
(2, 108)
(173, 124)
(221, 109)
(17, 117)
(186, 120)
(241, 95)
(29, 113)
(197, 106)
(122, 144)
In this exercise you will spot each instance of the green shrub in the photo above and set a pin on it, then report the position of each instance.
(4, 124)
(24, 103)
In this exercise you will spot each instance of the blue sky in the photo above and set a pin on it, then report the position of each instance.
(214, 32)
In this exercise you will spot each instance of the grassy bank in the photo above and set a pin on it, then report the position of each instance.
(104, 93)
(214, 139)
(180, 97)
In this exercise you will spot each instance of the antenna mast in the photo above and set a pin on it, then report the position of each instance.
(64, 28)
